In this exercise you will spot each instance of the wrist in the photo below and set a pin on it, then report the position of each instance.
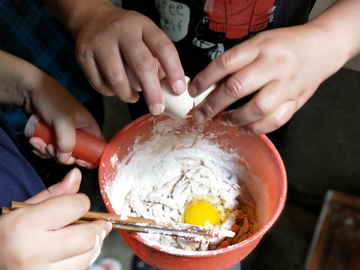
(15, 80)
(75, 14)
(341, 24)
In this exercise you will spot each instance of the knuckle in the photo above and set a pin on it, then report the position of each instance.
(233, 87)
(96, 85)
(261, 107)
(199, 81)
(101, 87)
(209, 109)
(254, 131)
(144, 62)
(114, 78)
(164, 46)
(277, 122)
(233, 118)
(118, 24)
(82, 50)
(224, 60)
(81, 202)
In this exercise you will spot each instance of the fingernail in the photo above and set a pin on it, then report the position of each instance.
(224, 120)
(63, 157)
(109, 226)
(50, 148)
(242, 130)
(36, 146)
(81, 163)
(193, 90)
(157, 109)
(198, 116)
(179, 87)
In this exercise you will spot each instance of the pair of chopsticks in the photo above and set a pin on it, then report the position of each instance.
(138, 225)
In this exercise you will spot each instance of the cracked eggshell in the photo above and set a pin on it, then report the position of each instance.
(176, 106)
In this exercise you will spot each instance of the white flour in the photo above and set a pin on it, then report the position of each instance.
(161, 176)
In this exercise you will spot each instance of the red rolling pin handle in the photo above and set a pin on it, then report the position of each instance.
(87, 147)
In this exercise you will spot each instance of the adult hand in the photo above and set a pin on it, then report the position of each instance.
(27, 87)
(40, 237)
(108, 39)
(286, 65)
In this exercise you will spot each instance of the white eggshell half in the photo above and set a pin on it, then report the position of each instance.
(176, 106)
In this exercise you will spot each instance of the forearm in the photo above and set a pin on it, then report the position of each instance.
(341, 25)
(17, 80)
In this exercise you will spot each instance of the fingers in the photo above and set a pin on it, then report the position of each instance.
(43, 150)
(87, 238)
(110, 64)
(86, 60)
(62, 246)
(59, 211)
(79, 240)
(144, 66)
(155, 56)
(253, 66)
(268, 110)
(69, 185)
(271, 122)
(263, 104)
(123, 41)
(226, 64)
(39, 147)
(237, 86)
(65, 137)
(165, 52)
(248, 75)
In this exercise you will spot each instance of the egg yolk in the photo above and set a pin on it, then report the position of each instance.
(201, 213)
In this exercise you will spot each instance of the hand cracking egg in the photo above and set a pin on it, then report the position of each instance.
(205, 211)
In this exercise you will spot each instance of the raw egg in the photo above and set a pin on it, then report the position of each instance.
(205, 210)
(201, 213)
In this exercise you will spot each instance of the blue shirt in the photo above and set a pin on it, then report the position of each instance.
(18, 179)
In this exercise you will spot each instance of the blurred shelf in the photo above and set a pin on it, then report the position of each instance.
(336, 242)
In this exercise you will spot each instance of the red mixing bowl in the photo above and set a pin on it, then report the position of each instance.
(263, 161)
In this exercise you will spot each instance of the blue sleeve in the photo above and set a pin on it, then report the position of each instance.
(18, 179)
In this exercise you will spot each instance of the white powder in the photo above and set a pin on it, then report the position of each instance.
(162, 175)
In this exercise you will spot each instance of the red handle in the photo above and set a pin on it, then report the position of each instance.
(87, 147)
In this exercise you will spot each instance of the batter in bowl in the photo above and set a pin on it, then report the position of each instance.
(164, 176)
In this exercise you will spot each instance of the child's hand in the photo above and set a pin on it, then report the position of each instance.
(108, 38)
(27, 87)
(40, 237)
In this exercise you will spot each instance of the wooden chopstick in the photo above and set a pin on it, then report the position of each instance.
(139, 225)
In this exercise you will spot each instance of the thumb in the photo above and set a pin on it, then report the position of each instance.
(69, 185)
(65, 138)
